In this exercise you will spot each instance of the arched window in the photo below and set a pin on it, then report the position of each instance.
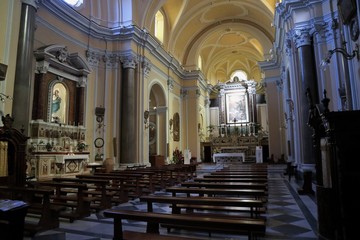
(159, 26)
(240, 74)
(74, 3)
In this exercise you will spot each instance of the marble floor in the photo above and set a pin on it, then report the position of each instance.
(289, 215)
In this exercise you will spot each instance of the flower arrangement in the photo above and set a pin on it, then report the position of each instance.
(81, 146)
(178, 156)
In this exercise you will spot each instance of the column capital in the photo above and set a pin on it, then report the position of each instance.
(82, 82)
(302, 37)
(184, 93)
(93, 57)
(207, 102)
(288, 44)
(198, 92)
(146, 65)
(129, 61)
(279, 85)
(42, 66)
(170, 83)
(110, 60)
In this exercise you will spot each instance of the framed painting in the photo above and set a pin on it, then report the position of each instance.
(237, 110)
(347, 9)
(58, 103)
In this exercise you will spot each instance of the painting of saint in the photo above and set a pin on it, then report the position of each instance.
(58, 103)
(237, 108)
(55, 107)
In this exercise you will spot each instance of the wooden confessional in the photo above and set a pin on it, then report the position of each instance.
(12, 154)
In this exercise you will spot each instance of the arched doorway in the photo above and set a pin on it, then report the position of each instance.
(157, 121)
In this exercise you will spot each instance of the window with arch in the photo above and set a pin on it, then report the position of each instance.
(240, 74)
(159, 26)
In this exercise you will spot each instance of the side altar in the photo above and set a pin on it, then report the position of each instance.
(56, 150)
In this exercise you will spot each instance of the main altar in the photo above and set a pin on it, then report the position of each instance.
(238, 126)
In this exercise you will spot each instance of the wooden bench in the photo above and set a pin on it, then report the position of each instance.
(225, 179)
(231, 185)
(242, 226)
(116, 186)
(76, 201)
(227, 175)
(40, 207)
(130, 235)
(96, 189)
(243, 172)
(129, 182)
(145, 179)
(253, 193)
(253, 206)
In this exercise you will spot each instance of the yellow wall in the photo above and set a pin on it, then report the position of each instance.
(9, 30)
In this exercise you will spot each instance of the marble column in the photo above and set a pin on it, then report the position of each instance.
(24, 67)
(307, 85)
(128, 133)
(80, 102)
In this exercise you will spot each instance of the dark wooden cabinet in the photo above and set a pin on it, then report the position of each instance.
(12, 154)
(157, 160)
(338, 206)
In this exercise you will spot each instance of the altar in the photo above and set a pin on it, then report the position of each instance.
(71, 163)
(46, 166)
(228, 157)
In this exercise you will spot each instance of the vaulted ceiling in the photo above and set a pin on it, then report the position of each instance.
(228, 35)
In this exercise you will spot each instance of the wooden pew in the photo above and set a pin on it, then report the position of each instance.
(116, 188)
(96, 189)
(239, 175)
(231, 185)
(253, 206)
(252, 193)
(243, 172)
(40, 207)
(242, 226)
(128, 181)
(77, 203)
(234, 180)
(145, 179)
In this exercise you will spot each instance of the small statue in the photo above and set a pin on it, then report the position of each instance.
(7, 121)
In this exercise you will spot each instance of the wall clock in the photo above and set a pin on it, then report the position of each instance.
(99, 142)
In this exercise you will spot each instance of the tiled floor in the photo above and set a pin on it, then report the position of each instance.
(289, 216)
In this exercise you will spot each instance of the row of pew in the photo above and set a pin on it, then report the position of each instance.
(230, 201)
(77, 197)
